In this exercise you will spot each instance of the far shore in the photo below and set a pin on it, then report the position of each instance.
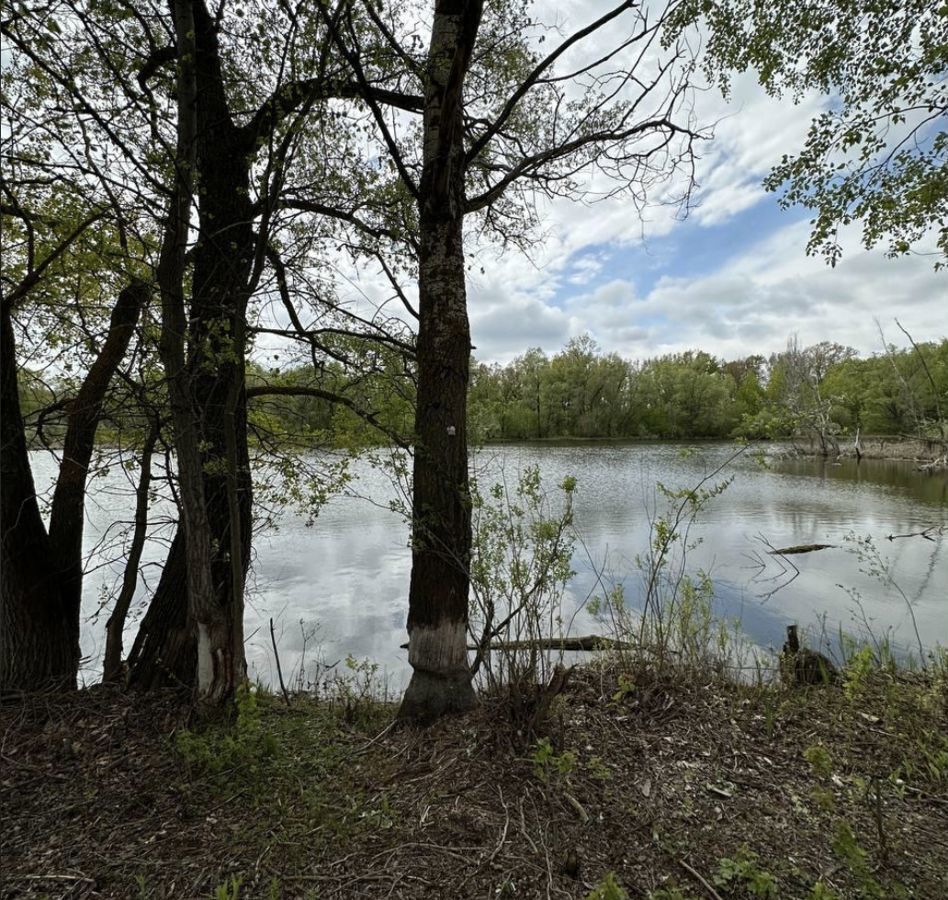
(894, 447)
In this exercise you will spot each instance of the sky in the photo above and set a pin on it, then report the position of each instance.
(733, 278)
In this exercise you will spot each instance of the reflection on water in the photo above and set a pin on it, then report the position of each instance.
(348, 572)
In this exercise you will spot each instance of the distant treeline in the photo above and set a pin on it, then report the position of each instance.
(822, 391)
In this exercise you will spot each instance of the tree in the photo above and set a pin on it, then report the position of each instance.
(72, 299)
(499, 125)
(41, 589)
(104, 81)
(879, 153)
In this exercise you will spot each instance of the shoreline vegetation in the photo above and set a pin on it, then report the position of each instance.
(668, 784)
(898, 448)
(824, 398)
(675, 763)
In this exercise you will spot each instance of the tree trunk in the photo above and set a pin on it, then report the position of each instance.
(197, 637)
(222, 272)
(115, 626)
(164, 653)
(67, 514)
(37, 649)
(441, 513)
(42, 572)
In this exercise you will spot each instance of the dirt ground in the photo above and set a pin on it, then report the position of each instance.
(677, 787)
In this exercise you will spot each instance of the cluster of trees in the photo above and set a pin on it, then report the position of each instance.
(822, 392)
(825, 389)
(186, 182)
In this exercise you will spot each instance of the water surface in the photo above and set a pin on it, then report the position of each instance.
(345, 576)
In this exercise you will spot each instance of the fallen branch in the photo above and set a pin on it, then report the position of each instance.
(925, 533)
(800, 548)
(711, 891)
(586, 643)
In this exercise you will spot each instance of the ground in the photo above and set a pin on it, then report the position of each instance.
(679, 786)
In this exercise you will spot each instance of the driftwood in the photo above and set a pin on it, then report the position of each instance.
(925, 533)
(586, 643)
(800, 548)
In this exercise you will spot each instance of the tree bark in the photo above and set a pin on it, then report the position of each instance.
(115, 626)
(42, 571)
(67, 515)
(37, 649)
(193, 636)
(441, 538)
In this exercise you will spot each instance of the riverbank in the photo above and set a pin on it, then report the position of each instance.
(924, 452)
(679, 787)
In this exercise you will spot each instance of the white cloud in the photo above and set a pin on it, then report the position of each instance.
(753, 303)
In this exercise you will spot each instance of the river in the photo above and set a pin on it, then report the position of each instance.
(345, 575)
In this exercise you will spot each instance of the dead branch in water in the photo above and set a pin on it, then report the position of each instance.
(926, 533)
(799, 548)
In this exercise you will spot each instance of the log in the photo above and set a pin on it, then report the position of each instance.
(585, 643)
(800, 548)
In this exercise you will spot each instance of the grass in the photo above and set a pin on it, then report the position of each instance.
(648, 784)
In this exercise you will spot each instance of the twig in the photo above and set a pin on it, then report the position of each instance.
(503, 836)
(57, 878)
(276, 654)
(577, 806)
(378, 737)
(711, 891)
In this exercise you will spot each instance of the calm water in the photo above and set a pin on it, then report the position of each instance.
(345, 577)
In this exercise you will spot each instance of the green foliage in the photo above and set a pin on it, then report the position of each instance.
(670, 893)
(355, 692)
(878, 153)
(820, 760)
(607, 889)
(742, 872)
(220, 752)
(520, 565)
(856, 858)
(823, 391)
(229, 890)
(550, 766)
(859, 669)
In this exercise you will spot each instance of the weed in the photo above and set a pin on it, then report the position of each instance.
(355, 691)
(608, 889)
(670, 893)
(548, 765)
(819, 759)
(857, 673)
(229, 890)
(245, 747)
(856, 858)
(624, 688)
(743, 871)
(597, 769)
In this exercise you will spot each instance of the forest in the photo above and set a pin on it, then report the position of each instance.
(237, 234)
(824, 390)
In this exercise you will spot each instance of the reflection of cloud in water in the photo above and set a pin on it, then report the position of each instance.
(349, 571)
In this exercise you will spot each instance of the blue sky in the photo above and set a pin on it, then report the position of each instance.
(690, 250)
(733, 278)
